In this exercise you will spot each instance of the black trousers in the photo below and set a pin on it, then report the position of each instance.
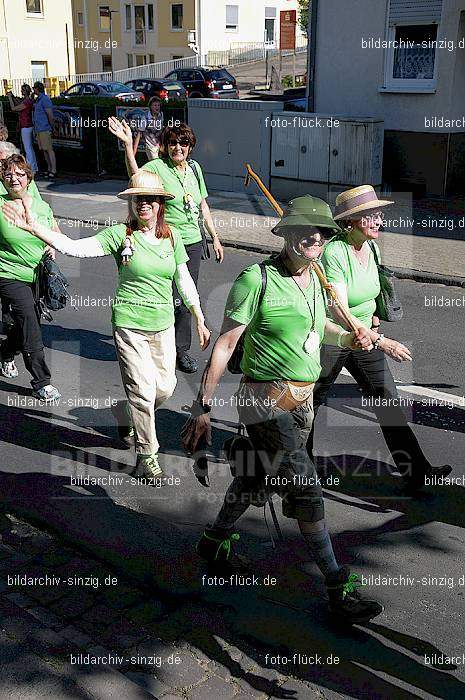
(25, 335)
(371, 372)
(182, 315)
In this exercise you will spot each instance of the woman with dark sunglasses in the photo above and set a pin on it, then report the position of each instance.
(182, 177)
(350, 265)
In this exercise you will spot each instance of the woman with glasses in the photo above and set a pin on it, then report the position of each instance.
(149, 255)
(350, 265)
(20, 254)
(182, 177)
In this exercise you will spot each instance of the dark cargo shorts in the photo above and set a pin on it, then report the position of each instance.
(283, 465)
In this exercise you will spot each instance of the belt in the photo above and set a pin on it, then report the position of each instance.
(293, 394)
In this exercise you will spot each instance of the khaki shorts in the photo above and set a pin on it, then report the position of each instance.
(44, 140)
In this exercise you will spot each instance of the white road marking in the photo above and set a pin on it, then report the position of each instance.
(441, 397)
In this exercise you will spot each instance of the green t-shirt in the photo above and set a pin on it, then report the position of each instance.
(278, 328)
(144, 296)
(363, 287)
(181, 219)
(20, 251)
(31, 188)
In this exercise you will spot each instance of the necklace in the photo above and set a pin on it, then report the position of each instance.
(188, 199)
(312, 343)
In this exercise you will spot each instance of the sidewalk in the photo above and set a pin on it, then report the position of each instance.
(425, 241)
(83, 631)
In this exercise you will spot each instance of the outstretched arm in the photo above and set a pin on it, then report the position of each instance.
(18, 213)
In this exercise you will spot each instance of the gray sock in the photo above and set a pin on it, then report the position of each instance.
(320, 546)
(235, 504)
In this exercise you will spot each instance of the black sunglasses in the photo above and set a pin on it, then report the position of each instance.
(182, 142)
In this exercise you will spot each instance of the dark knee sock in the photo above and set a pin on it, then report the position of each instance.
(235, 504)
(319, 543)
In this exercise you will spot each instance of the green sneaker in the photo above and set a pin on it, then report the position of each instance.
(148, 469)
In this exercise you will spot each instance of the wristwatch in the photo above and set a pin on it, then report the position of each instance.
(198, 408)
(378, 340)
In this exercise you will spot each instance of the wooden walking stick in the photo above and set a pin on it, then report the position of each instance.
(320, 274)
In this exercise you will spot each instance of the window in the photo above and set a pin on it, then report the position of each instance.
(80, 19)
(150, 17)
(140, 60)
(104, 15)
(73, 91)
(151, 58)
(176, 16)
(130, 60)
(270, 19)
(34, 7)
(232, 17)
(139, 24)
(39, 70)
(106, 63)
(412, 33)
(128, 17)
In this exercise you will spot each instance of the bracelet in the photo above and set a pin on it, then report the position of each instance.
(214, 235)
(378, 340)
(199, 408)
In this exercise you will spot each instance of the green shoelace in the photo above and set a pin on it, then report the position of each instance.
(351, 585)
(225, 544)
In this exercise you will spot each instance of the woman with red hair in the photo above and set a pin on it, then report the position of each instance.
(149, 257)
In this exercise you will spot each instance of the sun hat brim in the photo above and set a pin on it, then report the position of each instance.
(369, 206)
(295, 223)
(154, 192)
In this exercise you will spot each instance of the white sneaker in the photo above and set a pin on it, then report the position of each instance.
(48, 394)
(9, 369)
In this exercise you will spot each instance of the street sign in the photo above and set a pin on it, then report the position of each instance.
(288, 23)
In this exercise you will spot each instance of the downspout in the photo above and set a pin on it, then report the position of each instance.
(312, 30)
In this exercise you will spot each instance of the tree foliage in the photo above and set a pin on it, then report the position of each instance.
(303, 14)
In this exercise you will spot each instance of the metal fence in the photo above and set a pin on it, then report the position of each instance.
(235, 55)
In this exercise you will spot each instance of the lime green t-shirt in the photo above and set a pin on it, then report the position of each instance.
(20, 251)
(180, 218)
(144, 296)
(31, 188)
(363, 287)
(278, 328)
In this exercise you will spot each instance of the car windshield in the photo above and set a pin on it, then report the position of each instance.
(173, 84)
(113, 87)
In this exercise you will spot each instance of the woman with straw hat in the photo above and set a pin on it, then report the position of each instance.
(350, 265)
(149, 257)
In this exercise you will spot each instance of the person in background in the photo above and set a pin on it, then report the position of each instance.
(24, 107)
(149, 129)
(350, 266)
(20, 254)
(184, 178)
(43, 126)
(3, 133)
(149, 256)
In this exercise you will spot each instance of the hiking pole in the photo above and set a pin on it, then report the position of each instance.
(319, 272)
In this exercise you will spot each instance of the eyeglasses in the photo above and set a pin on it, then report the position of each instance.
(149, 198)
(182, 142)
(372, 217)
(313, 240)
(12, 176)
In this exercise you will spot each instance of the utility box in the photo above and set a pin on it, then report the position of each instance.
(332, 152)
(229, 134)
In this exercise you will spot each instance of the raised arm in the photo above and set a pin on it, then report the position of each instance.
(123, 132)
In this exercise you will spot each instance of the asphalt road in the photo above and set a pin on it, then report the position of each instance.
(150, 533)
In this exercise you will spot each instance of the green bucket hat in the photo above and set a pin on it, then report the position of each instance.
(303, 212)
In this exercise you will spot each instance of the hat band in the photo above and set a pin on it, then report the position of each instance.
(365, 198)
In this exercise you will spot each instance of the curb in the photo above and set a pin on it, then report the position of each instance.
(400, 273)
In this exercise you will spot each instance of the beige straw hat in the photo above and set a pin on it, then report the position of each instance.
(358, 200)
(145, 182)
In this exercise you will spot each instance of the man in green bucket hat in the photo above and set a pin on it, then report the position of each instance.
(278, 309)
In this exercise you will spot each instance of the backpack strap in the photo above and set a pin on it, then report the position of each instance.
(264, 281)
(375, 253)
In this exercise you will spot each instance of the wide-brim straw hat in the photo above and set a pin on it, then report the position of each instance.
(145, 182)
(357, 201)
(304, 212)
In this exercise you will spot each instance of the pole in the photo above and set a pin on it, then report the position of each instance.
(293, 69)
(311, 54)
(67, 50)
(111, 45)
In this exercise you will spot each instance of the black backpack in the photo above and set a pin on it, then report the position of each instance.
(234, 363)
(51, 288)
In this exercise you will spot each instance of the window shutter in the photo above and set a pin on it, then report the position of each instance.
(414, 11)
(232, 14)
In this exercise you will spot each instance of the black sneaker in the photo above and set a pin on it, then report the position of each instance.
(415, 483)
(345, 602)
(216, 546)
(186, 363)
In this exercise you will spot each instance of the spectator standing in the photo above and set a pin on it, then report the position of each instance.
(24, 107)
(149, 129)
(43, 127)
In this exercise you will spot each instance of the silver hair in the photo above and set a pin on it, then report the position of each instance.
(8, 149)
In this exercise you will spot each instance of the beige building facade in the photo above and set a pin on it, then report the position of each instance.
(36, 39)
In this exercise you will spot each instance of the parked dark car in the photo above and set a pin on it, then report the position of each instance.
(119, 91)
(166, 90)
(216, 83)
